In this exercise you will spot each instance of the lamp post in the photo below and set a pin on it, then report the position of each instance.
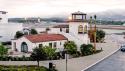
(66, 57)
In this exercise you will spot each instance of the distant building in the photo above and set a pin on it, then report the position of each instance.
(3, 17)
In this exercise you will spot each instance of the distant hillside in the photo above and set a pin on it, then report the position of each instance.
(111, 15)
(116, 17)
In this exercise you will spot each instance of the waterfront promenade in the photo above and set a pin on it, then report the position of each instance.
(81, 63)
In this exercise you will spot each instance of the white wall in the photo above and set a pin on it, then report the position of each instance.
(4, 18)
(73, 27)
(40, 29)
(54, 30)
(31, 45)
(58, 46)
(19, 42)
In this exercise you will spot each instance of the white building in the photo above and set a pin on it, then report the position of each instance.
(76, 29)
(29, 42)
(3, 17)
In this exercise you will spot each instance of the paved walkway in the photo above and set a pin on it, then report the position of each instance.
(76, 64)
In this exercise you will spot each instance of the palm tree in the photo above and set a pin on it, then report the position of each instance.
(95, 34)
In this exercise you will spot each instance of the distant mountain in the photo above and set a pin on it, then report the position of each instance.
(111, 15)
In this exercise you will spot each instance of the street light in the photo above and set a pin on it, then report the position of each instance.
(66, 57)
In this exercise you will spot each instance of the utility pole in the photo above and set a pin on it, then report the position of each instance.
(95, 33)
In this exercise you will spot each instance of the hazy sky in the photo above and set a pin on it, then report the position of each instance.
(28, 8)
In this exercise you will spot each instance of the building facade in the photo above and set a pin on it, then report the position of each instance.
(27, 43)
(76, 29)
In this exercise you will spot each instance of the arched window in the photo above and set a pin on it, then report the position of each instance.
(24, 47)
(85, 29)
(80, 29)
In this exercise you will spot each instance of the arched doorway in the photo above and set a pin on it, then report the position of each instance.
(24, 47)
(80, 29)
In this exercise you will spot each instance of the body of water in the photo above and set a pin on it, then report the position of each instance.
(7, 31)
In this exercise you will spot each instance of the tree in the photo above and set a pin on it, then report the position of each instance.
(38, 54)
(86, 49)
(19, 34)
(50, 52)
(100, 34)
(33, 31)
(3, 50)
(71, 47)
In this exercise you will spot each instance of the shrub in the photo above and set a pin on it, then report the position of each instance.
(33, 31)
(19, 34)
(86, 49)
(3, 50)
(100, 34)
(71, 47)
(50, 52)
(24, 68)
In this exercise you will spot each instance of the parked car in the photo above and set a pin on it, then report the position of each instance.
(123, 48)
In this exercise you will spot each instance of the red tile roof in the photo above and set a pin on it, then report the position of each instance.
(45, 37)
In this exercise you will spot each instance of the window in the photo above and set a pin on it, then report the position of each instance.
(67, 30)
(3, 12)
(24, 47)
(54, 44)
(80, 29)
(50, 44)
(14, 45)
(60, 43)
(40, 45)
(47, 29)
(85, 29)
(25, 33)
(0, 18)
(60, 29)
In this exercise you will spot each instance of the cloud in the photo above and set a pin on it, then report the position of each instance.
(51, 7)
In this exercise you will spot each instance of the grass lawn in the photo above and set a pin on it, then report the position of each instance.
(23, 68)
